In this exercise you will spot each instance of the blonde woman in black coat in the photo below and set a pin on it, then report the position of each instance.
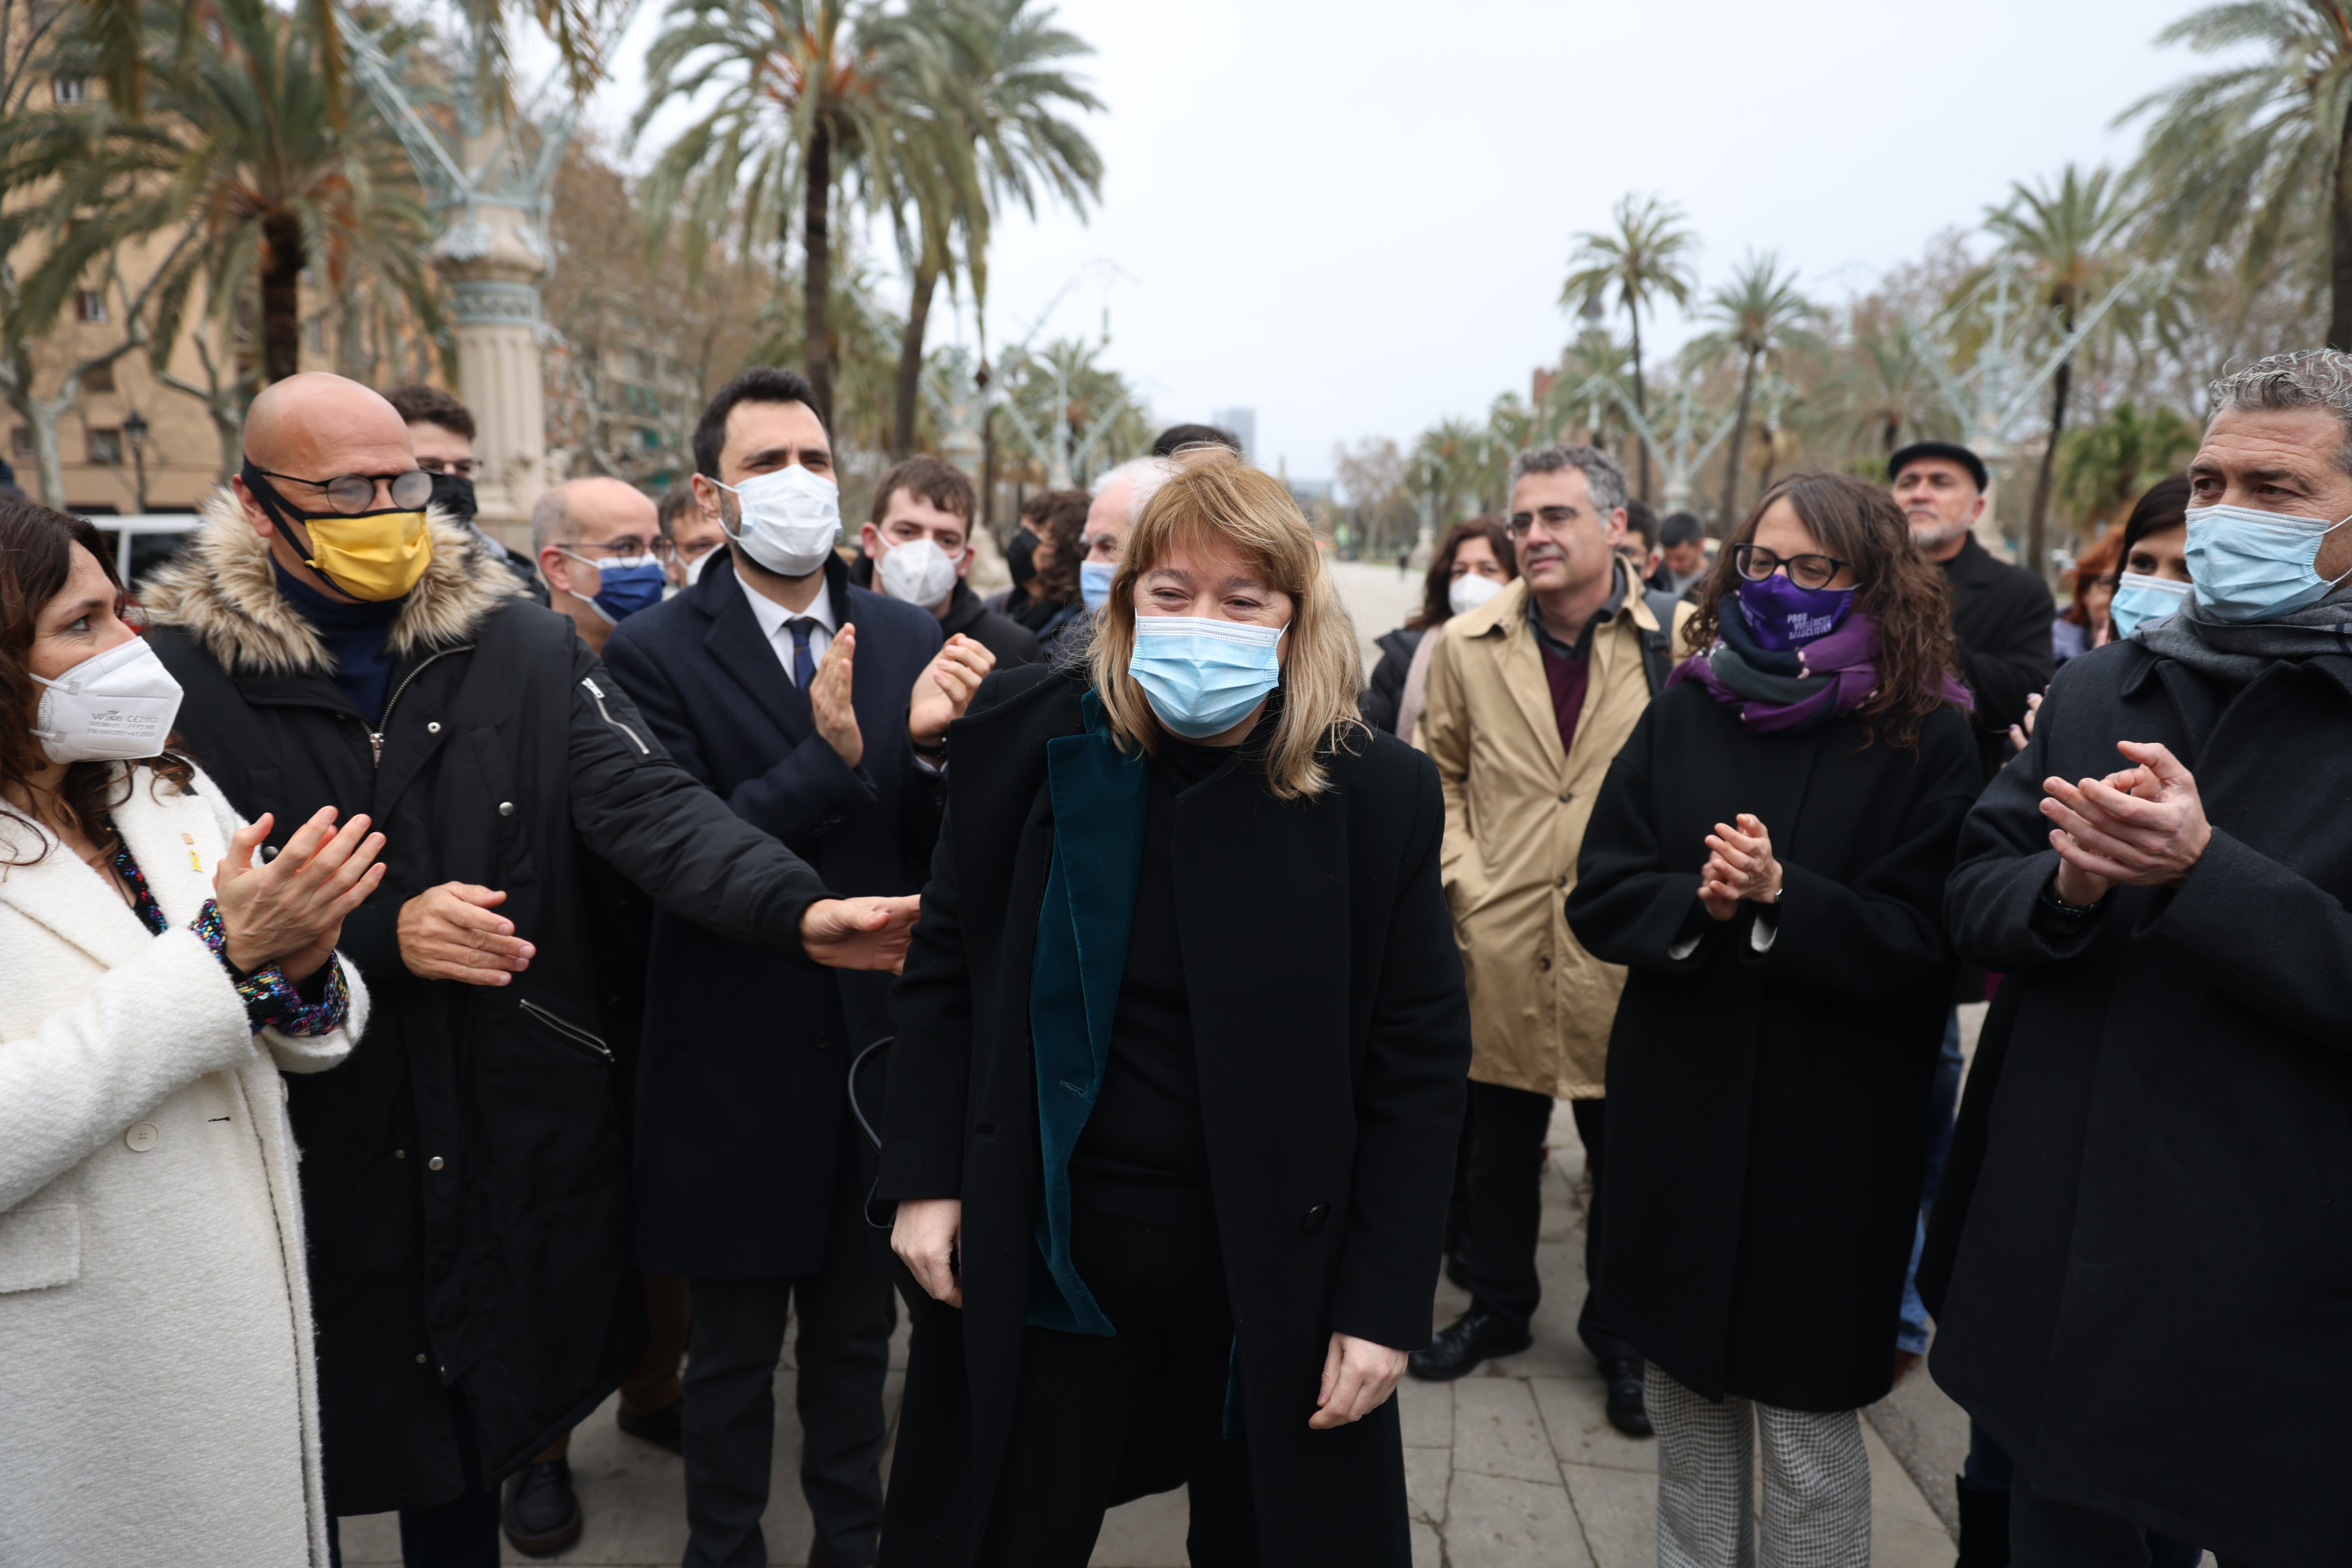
(1179, 1072)
(1768, 858)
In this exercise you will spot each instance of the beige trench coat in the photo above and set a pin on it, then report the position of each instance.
(1515, 805)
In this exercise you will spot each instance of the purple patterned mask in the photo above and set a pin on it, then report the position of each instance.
(1784, 615)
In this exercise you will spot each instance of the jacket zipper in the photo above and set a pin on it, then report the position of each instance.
(643, 750)
(570, 1032)
(376, 736)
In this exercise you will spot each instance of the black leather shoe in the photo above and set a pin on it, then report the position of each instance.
(1626, 1411)
(666, 1426)
(1475, 1336)
(541, 1515)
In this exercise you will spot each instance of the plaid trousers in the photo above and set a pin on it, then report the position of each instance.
(1816, 1510)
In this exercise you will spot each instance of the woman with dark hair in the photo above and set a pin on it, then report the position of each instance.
(2151, 575)
(154, 1314)
(1053, 600)
(1469, 567)
(1767, 858)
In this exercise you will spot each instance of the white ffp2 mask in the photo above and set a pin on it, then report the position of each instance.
(918, 572)
(1469, 591)
(115, 706)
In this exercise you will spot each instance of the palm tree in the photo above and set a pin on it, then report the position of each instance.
(2252, 158)
(1879, 385)
(1756, 315)
(1645, 258)
(2105, 467)
(1451, 466)
(1007, 137)
(811, 94)
(2067, 236)
(236, 147)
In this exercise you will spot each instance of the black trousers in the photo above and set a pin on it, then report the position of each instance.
(1509, 1127)
(2047, 1534)
(1079, 1396)
(846, 1312)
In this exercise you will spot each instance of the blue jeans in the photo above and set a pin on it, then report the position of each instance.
(1911, 1334)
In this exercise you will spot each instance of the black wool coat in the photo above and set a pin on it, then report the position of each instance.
(2153, 1291)
(1768, 1110)
(464, 1179)
(741, 1094)
(2001, 619)
(1333, 1042)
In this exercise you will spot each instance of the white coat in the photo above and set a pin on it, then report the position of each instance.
(158, 1396)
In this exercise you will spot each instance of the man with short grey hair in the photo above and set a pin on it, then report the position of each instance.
(1120, 496)
(1575, 636)
(2146, 1304)
(598, 542)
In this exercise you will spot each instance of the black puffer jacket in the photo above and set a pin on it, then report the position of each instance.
(464, 1176)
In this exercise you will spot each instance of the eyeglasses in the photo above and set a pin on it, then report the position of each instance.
(463, 468)
(1755, 563)
(352, 494)
(624, 548)
(1553, 518)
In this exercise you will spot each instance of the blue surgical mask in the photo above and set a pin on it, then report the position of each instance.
(2250, 565)
(1094, 582)
(2141, 598)
(631, 584)
(1203, 675)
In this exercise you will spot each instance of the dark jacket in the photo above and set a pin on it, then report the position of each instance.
(2001, 618)
(1332, 1041)
(981, 620)
(464, 1178)
(1385, 690)
(1767, 1112)
(739, 1098)
(2147, 1310)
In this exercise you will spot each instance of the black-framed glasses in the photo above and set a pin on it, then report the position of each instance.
(352, 494)
(623, 549)
(1553, 518)
(1755, 563)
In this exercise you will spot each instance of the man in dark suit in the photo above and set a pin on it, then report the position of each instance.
(2001, 614)
(818, 712)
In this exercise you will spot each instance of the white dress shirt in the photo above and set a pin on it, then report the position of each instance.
(775, 623)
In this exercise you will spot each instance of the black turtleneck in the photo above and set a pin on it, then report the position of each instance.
(355, 636)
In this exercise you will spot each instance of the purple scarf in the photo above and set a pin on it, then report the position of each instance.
(1792, 692)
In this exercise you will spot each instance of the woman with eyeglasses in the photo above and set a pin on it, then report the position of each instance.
(1767, 858)
(157, 1383)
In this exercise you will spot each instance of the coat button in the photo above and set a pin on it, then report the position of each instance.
(1543, 963)
(434, 728)
(420, 1358)
(1313, 1220)
(1565, 796)
(434, 1163)
(141, 1137)
(1562, 883)
(269, 852)
(400, 1153)
(506, 808)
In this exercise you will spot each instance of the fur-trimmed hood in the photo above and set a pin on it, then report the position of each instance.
(221, 591)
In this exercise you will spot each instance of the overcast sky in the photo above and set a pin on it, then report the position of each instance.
(1354, 216)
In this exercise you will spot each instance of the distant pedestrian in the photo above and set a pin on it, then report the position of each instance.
(1470, 566)
(1769, 1066)
(1682, 554)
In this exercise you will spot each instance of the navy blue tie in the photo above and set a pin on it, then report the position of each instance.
(803, 661)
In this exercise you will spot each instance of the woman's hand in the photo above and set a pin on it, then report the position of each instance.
(926, 1237)
(1739, 867)
(2020, 734)
(292, 908)
(1358, 1378)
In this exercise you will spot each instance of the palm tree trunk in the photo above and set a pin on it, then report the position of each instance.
(1641, 402)
(1738, 444)
(281, 296)
(817, 279)
(2036, 525)
(2339, 312)
(910, 360)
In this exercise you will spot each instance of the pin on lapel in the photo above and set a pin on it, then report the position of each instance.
(195, 864)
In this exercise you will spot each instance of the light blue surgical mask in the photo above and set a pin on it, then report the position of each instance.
(2140, 599)
(626, 586)
(2250, 565)
(1203, 675)
(1094, 582)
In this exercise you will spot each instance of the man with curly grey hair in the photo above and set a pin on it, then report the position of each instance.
(2146, 1304)
(1529, 698)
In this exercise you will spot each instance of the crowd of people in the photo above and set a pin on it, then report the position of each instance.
(449, 987)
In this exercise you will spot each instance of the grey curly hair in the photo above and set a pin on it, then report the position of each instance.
(2307, 378)
(1604, 482)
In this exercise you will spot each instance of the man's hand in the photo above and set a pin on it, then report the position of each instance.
(292, 908)
(945, 690)
(1739, 866)
(2020, 734)
(860, 934)
(926, 1236)
(449, 933)
(828, 695)
(2144, 826)
(1358, 1378)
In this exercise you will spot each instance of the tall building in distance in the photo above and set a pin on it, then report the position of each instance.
(1243, 423)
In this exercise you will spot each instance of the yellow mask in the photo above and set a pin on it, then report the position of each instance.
(377, 555)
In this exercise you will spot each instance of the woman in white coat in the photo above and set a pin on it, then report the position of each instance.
(157, 1399)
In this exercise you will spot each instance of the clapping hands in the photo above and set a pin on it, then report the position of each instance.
(1739, 866)
(2144, 826)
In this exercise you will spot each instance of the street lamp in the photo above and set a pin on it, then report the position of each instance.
(134, 430)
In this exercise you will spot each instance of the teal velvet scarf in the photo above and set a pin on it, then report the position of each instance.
(1099, 795)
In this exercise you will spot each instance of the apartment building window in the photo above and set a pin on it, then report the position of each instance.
(98, 378)
(20, 442)
(70, 91)
(90, 305)
(106, 447)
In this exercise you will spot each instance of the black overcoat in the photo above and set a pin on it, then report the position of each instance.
(1333, 1043)
(464, 1179)
(740, 1106)
(1768, 1110)
(2153, 1291)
